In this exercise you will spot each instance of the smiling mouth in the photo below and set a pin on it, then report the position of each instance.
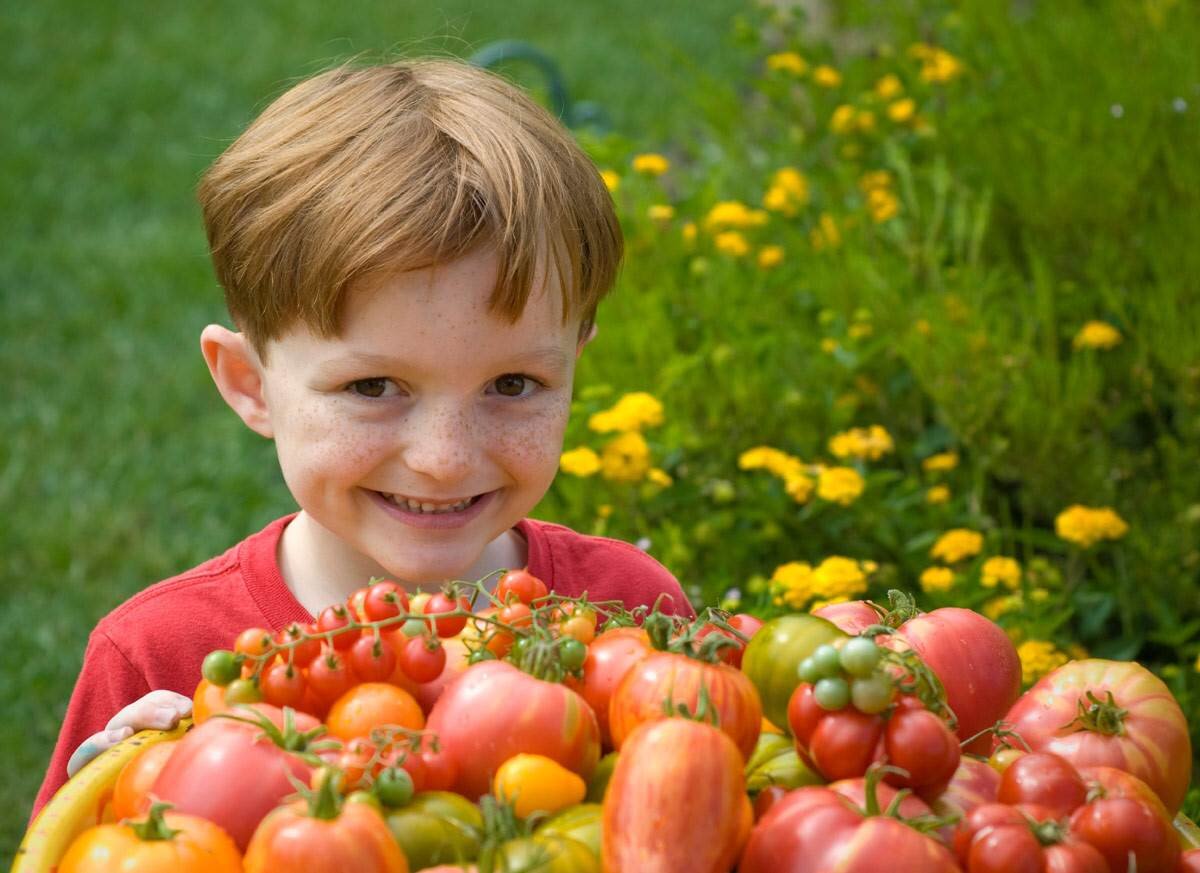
(420, 507)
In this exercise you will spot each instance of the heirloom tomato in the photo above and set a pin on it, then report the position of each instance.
(773, 656)
(746, 625)
(1046, 780)
(535, 783)
(371, 705)
(851, 616)
(437, 827)
(169, 842)
(494, 711)
(608, 659)
(581, 822)
(1110, 713)
(545, 853)
(1129, 833)
(131, 791)
(677, 801)
(998, 838)
(974, 783)
(664, 681)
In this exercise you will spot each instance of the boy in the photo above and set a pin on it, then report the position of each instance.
(412, 255)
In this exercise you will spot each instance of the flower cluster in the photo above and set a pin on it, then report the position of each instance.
(866, 443)
(626, 457)
(1097, 335)
(1085, 526)
(836, 579)
(1038, 657)
(957, 545)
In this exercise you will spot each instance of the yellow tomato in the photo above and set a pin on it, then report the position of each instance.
(535, 783)
(195, 846)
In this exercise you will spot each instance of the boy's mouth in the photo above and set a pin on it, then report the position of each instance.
(426, 507)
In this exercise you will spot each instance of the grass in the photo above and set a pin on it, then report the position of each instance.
(121, 465)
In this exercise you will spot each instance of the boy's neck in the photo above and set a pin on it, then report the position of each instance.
(318, 571)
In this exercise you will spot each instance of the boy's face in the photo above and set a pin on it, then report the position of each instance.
(428, 398)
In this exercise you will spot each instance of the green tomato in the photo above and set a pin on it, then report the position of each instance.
(221, 667)
(859, 657)
(832, 694)
(775, 762)
(598, 783)
(414, 627)
(773, 655)
(579, 822)
(808, 671)
(549, 853)
(872, 694)
(827, 662)
(571, 653)
(394, 786)
(242, 691)
(437, 827)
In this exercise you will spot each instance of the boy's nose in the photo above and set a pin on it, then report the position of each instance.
(441, 446)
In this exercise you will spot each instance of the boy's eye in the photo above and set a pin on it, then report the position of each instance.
(375, 387)
(512, 384)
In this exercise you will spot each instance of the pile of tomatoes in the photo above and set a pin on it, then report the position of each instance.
(542, 733)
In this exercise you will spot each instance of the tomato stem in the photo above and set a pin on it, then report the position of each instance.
(1099, 716)
(155, 826)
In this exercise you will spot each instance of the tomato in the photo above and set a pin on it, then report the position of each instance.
(581, 628)
(545, 853)
(334, 618)
(329, 676)
(974, 783)
(666, 679)
(844, 743)
(535, 783)
(439, 604)
(198, 846)
(296, 837)
(427, 693)
(206, 700)
(852, 616)
(384, 600)
(437, 827)
(1111, 782)
(1143, 731)
(747, 625)
(1044, 779)
(494, 711)
(1002, 758)
(774, 654)
(283, 685)
(373, 660)
(422, 659)
(582, 822)
(307, 644)
(515, 615)
(676, 780)
(440, 772)
(919, 742)
(372, 705)
(253, 641)
(855, 790)
(228, 772)
(775, 763)
(815, 829)
(975, 661)
(601, 776)
(130, 793)
(520, 585)
(1121, 826)
(609, 657)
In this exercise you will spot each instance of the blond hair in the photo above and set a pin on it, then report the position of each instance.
(363, 171)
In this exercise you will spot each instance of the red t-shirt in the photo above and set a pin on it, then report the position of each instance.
(158, 638)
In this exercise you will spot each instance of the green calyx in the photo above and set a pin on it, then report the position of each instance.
(1099, 716)
(155, 826)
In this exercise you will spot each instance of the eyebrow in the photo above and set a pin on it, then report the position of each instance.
(550, 357)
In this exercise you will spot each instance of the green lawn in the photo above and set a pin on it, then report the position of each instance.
(120, 463)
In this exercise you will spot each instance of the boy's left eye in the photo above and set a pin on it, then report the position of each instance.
(513, 384)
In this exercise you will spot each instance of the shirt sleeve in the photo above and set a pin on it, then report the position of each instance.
(107, 683)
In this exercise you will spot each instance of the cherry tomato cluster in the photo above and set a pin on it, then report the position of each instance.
(851, 675)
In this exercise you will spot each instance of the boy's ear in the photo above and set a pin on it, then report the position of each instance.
(587, 338)
(237, 372)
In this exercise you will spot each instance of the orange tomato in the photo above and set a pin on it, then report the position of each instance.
(130, 793)
(207, 700)
(370, 705)
(199, 846)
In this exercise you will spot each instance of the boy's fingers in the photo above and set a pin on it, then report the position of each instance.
(94, 745)
(158, 709)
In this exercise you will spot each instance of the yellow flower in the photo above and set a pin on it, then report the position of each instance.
(611, 180)
(940, 463)
(604, 510)
(793, 182)
(842, 120)
(840, 485)
(789, 62)
(777, 200)
(888, 87)
(999, 606)
(937, 495)
(626, 458)
(1001, 571)
(937, 579)
(860, 330)
(882, 204)
(1038, 657)
(829, 345)
(826, 76)
(1097, 335)
(902, 111)
(826, 234)
(869, 443)
(770, 256)
(838, 577)
(1086, 526)
(923, 327)
(659, 477)
(957, 545)
(735, 214)
(778, 462)
(688, 232)
(580, 462)
(631, 413)
(798, 486)
(937, 65)
(793, 583)
(650, 164)
(873, 179)
(660, 212)
(731, 243)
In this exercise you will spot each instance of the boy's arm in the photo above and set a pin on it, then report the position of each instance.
(108, 683)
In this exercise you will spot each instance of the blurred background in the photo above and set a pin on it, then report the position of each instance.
(910, 301)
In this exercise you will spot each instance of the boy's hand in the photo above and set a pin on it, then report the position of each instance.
(159, 710)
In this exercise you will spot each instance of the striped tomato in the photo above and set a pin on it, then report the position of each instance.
(774, 654)
(1114, 714)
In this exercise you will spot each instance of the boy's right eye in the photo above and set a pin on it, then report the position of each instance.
(375, 387)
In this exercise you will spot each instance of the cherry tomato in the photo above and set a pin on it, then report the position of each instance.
(385, 600)
(242, 691)
(394, 786)
(283, 685)
(440, 769)
(330, 676)
(372, 660)
(581, 628)
(253, 641)
(1043, 778)
(918, 741)
(440, 603)
(516, 615)
(220, 667)
(355, 604)
(572, 653)
(306, 644)
(422, 659)
(334, 618)
(1002, 758)
(520, 585)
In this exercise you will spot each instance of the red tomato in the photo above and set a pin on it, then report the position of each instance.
(329, 676)
(1111, 782)
(666, 679)
(974, 783)
(845, 743)
(516, 615)
(815, 829)
(225, 771)
(440, 772)
(520, 585)
(918, 741)
(851, 617)
(131, 791)
(667, 767)
(1189, 861)
(1143, 731)
(356, 604)
(372, 660)
(747, 625)
(384, 600)
(306, 650)
(283, 685)
(438, 604)
(1044, 779)
(997, 838)
(422, 659)
(333, 618)
(494, 711)
(1120, 826)
(609, 657)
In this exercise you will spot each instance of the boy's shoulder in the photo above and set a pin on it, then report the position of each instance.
(606, 568)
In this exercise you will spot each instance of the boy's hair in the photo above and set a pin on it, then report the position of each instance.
(363, 171)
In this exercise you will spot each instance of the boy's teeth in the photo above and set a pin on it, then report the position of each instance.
(414, 506)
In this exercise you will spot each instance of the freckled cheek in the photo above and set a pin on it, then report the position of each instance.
(532, 445)
(318, 445)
